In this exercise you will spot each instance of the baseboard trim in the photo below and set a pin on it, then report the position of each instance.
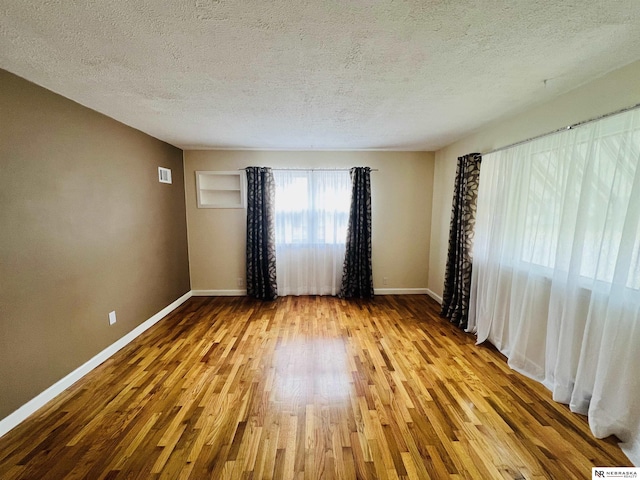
(218, 293)
(399, 291)
(14, 419)
(434, 295)
(377, 291)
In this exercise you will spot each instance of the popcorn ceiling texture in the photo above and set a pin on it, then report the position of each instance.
(326, 74)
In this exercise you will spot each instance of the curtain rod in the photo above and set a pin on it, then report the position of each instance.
(313, 169)
(569, 127)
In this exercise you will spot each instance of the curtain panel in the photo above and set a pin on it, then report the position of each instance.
(457, 280)
(357, 275)
(261, 253)
(556, 276)
(312, 214)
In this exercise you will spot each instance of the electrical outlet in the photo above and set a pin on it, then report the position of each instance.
(240, 282)
(112, 317)
(385, 280)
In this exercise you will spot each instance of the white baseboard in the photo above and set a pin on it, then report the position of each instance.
(434, 295)
(17, 417)
(399, 291)
(218, 293)
(377, 291)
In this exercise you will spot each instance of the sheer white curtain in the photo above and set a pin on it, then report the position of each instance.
(312, 213)
(556, 274)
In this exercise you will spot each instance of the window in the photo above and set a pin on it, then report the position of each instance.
(312, 207)
(311, 218)
(572, 201)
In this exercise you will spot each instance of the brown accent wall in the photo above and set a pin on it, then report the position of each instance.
(85, 228)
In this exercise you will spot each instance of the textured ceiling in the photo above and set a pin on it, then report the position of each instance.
(385, 74)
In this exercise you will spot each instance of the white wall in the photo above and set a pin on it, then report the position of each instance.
(401, 214)
(616, 90)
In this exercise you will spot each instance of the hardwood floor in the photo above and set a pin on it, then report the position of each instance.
(305, 388)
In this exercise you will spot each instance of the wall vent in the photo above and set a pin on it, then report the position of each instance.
(164, 175)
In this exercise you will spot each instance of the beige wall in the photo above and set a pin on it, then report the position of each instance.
(85, 228)
(618, 89)
(401, 205)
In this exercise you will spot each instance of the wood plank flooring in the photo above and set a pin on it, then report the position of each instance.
(305, 388)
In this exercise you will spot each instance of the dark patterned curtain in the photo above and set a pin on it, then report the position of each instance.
(261, 243)
(457, 279)
(357, 275)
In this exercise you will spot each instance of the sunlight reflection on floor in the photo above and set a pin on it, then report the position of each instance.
(314, 368)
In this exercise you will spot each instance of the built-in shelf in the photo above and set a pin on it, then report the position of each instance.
(220, 189)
